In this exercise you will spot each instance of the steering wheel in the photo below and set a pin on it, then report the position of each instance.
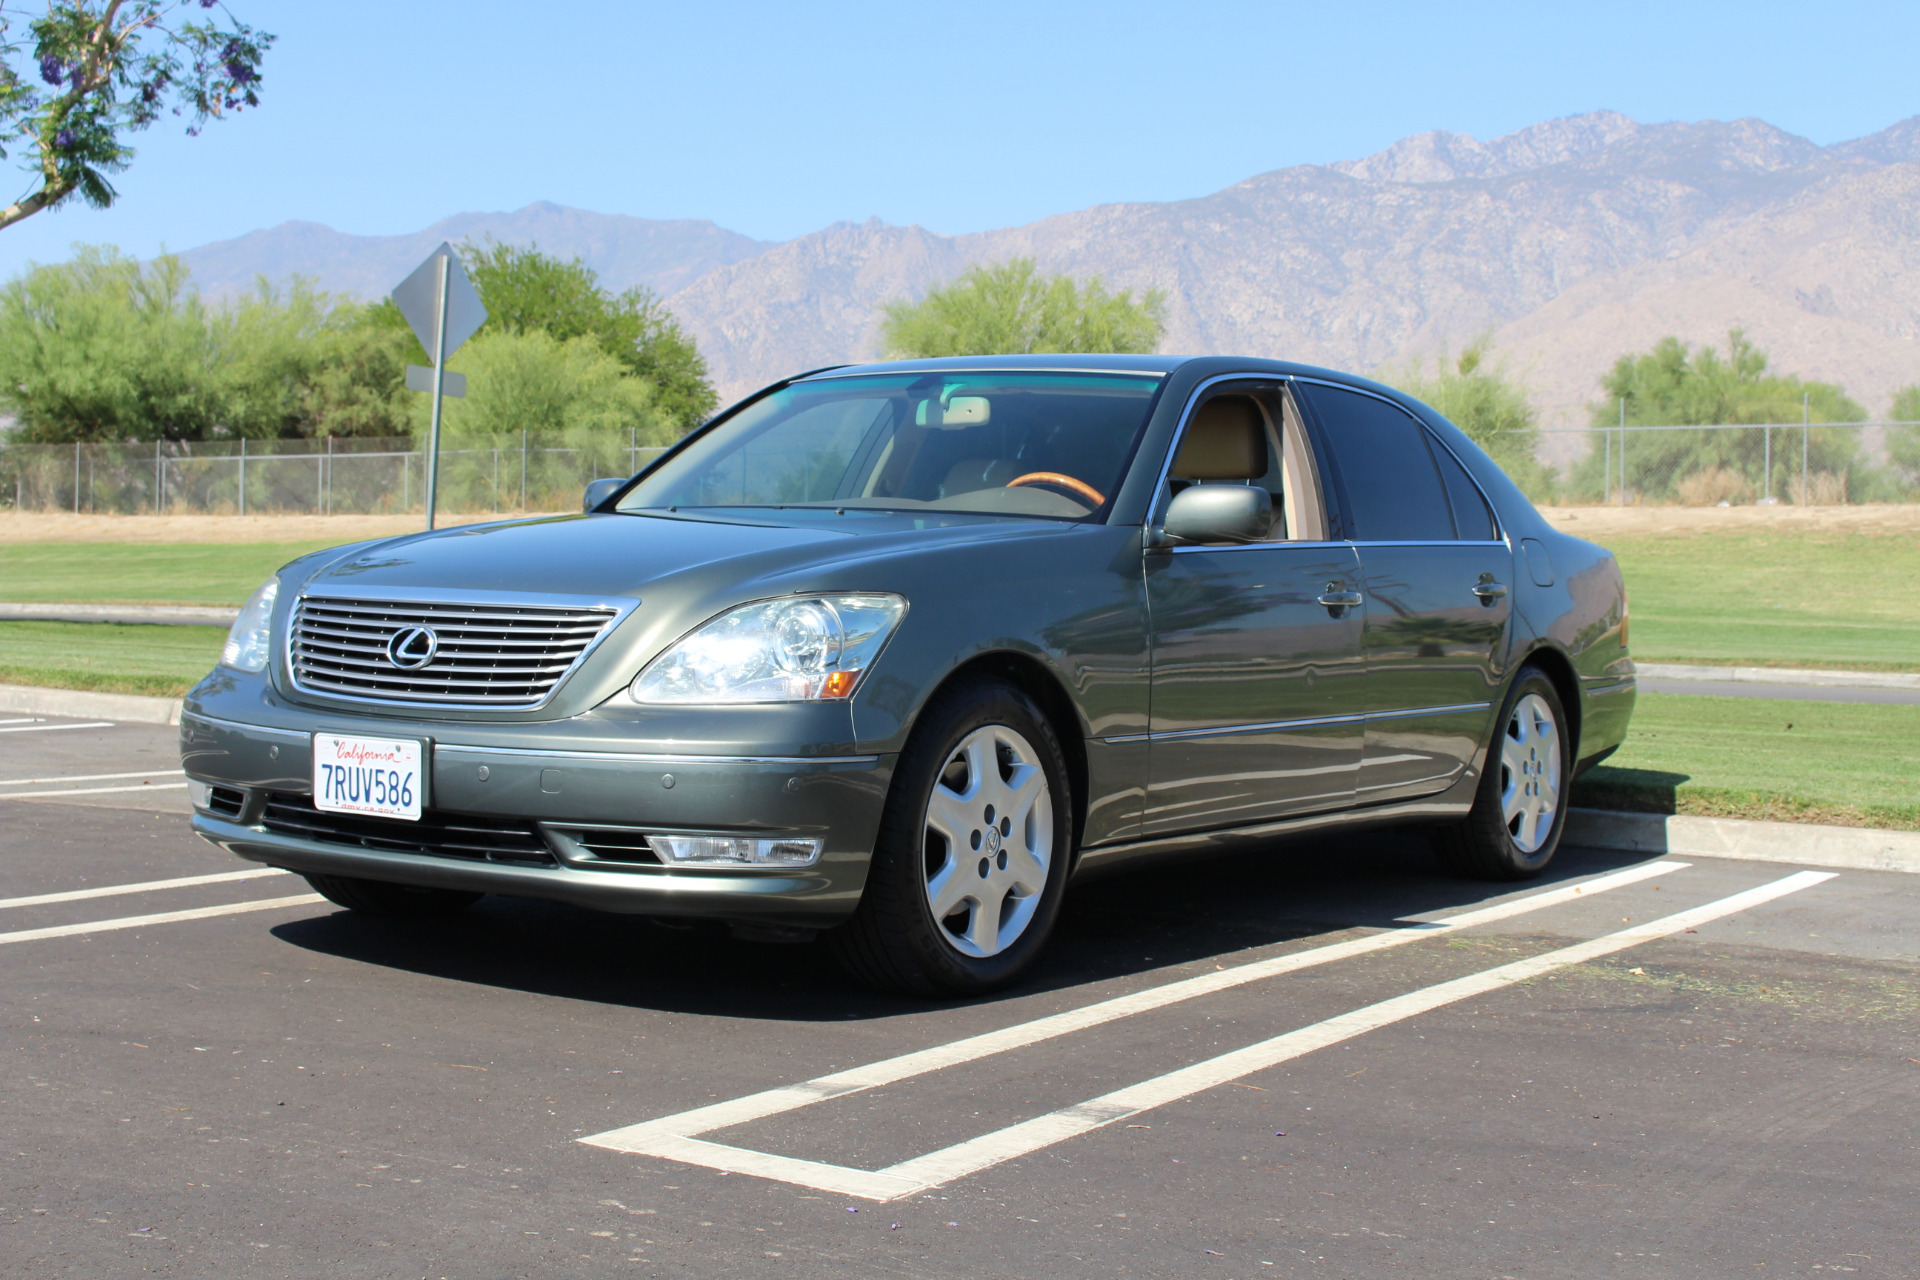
(1079, 488)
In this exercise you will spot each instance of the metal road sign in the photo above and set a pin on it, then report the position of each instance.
(441, 306)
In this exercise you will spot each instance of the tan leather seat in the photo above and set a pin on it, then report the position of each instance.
(1227, 440)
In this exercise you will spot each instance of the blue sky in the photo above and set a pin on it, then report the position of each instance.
(777, 119)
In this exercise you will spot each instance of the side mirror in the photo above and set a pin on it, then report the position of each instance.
(598, 491)
(1204, 513)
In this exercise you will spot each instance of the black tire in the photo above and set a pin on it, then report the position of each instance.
(1486, 844)
(893, 942)
(392, 901)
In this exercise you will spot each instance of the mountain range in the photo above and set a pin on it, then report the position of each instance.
(1570, 242)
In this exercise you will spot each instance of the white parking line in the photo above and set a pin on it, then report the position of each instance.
(143, 886)
(89, 777)
(45, 728)
(24, 720)
(89, 791)
(671, 1141)
(164, 917)
(655, 1137)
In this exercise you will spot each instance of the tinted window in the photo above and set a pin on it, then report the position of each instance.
(1470, 511)
(1393, 491)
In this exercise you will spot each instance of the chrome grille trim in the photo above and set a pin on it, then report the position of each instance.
(499, 650)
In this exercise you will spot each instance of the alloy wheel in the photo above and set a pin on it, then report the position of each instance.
(1530, 773)
(988, 841)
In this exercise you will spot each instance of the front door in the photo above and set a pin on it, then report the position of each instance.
(1257, 684)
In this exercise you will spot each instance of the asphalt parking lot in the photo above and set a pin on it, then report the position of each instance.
(1326, 1060)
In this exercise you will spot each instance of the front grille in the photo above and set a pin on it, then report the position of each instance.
(469, 837)
(493, 655)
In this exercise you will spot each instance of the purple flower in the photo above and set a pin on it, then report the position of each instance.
(52, 70)
(63, 139)
(240, 73)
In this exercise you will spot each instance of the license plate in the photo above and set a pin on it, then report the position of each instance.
(381, 776)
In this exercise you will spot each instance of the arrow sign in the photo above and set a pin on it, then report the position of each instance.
(443, 310)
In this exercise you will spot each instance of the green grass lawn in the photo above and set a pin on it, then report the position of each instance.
(1850, 763)
(134, 573)
(108, 657)
(1800, 599)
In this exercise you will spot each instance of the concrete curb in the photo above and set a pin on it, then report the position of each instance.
(1805, 844)
(187, 615)
(1779, 675)
(129, 707)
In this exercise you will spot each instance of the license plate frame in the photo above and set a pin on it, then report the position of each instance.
(374, 776)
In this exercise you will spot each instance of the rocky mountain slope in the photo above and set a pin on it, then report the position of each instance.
(665, 256)
(1572, 241)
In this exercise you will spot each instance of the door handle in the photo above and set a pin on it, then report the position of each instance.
(1489, 592)
(1335, 599)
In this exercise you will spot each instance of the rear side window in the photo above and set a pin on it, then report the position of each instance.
(1393, 490)
(1470, 511)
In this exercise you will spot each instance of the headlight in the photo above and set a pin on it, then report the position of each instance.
(794, 650)
(248, 644)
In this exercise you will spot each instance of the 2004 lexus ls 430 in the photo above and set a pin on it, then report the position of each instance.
(895, 651)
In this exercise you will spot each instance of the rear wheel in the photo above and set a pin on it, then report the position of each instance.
(971, 862)
(1521, 807)
(381, 898)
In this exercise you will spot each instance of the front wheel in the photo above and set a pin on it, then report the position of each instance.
(971, 862)
(1521, 806)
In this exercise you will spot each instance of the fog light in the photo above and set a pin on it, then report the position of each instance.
(736, 851)
(201, 794)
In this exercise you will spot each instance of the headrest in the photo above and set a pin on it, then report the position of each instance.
(1227, 440)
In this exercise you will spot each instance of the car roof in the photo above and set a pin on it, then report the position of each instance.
(1060, 362)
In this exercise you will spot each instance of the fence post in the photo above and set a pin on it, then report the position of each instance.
(161, 505)
(1806, 429)
(76, 477)
(523, 471)
(243, 475)
(1766, 463)
(156, 476)
(327, 508)
(1623, 451)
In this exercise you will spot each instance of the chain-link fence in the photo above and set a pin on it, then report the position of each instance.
(346, 476)
(1812, 464)
(1804, 464)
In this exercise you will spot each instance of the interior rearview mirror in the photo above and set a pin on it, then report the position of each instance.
(598, 491)
(1204, 513)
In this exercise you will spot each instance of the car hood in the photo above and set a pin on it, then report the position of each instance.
(619, 555)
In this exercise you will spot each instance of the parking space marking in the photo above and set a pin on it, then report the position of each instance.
(23, 720)
(1017, 1140)
(90, 791)
(670, 1139)
(89, 777)
(43, 728)
(679, 1133)
(143, 886)
(164, 917)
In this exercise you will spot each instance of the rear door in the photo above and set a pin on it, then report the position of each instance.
(1436, 577)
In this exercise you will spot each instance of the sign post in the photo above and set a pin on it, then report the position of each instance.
(442, 309)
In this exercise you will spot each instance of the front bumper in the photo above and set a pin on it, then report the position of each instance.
(560, 796)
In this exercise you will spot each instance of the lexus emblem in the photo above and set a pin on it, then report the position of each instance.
(412, 648)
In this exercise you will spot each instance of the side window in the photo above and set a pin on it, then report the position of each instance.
(1393, 490)
(1470, 513)
(1250, 433)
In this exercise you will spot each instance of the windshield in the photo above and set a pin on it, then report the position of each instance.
(1051, 445)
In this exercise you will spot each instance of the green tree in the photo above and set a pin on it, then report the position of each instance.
(571, 394)
(92, 71)
(106, 348)
(1487, 403)
(1010, 309)
(1675, 384)
(527, 291)
(1903, 441)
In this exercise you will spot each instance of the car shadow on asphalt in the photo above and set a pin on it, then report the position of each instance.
(1124, 923)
